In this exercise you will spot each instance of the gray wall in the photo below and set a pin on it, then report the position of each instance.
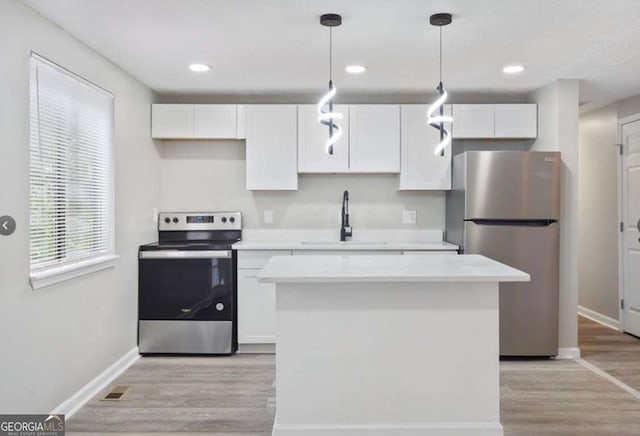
(58, 338)
(628, 106)
(558, 131)
(598, 242)
(210, 175)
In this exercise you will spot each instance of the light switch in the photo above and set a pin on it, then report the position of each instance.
(155, 215)
(268, 216)
(408, 217)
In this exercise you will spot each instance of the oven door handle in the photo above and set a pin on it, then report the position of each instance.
(185, 254)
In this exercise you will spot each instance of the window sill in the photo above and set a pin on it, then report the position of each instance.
(67, 272)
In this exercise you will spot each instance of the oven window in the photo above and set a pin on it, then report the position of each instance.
(186, 289)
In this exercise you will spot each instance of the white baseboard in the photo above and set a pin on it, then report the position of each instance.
(568, 353)
(427, 429)
(256, 348)
(72, 404)
(599, 318)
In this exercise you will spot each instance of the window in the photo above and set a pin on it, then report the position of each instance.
(71, 174)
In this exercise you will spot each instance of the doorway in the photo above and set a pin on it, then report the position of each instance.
(629, 210)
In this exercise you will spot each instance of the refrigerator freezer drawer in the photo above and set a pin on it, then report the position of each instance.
(528, 310)
(511, 184)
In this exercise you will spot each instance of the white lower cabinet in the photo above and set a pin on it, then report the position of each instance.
(256, 301)
(256, 309)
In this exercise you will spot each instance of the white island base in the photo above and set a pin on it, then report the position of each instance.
(415, 353)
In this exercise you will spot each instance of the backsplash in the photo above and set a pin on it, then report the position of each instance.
(210, 175)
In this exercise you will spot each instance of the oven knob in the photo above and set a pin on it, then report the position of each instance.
(175, 220)
(220, 307)
(167, 220)
(232, 219)
(224, 219)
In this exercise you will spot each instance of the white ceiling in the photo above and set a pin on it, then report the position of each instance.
(278, 46)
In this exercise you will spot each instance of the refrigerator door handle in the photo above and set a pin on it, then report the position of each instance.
(500, 222)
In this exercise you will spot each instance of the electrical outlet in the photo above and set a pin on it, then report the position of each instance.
(268, 216)
(155, 215)
(409, 217)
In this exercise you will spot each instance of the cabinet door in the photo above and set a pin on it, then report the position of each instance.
(312, 137)
(420, 167)
(473, 121)
(516, 120)
(171, 121)
(374, 138)
(256, 309)
(241, 119)
(272, 148)
(214, 121)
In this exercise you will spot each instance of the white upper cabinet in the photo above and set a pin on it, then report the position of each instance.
(516, 120)
(478, 121)
(271, 132)
(200, 121)
(374, 140)
(312, 137)
(172, 121)
(473, 121)
(241, 122)
(421, 169)
(214, 121)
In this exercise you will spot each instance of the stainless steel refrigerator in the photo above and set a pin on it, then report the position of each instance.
(506, 205)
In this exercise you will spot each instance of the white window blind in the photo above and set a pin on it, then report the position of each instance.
(71, 171)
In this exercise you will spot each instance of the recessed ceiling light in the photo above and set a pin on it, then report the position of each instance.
(513, 69)
(199, 68)
(355, 69)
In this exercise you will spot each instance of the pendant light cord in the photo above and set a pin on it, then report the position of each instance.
(331, 124)
(440, 53)
(330, 53)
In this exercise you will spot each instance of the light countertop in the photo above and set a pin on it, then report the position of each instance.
(348, 245)
(388, 268)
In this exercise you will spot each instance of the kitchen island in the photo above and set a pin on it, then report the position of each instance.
(387, 345)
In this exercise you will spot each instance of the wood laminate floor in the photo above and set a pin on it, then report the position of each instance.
(234, 396)
(615, 353)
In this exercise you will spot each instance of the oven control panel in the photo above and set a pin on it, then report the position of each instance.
(186, 221)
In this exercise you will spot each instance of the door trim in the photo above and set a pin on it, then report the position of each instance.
(621, 281)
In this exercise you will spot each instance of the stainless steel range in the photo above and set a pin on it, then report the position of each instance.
(187, 285)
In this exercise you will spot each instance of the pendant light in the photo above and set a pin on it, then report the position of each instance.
(326, 115)
(437, 121)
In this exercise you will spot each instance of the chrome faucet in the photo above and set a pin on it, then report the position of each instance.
(345, 228)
